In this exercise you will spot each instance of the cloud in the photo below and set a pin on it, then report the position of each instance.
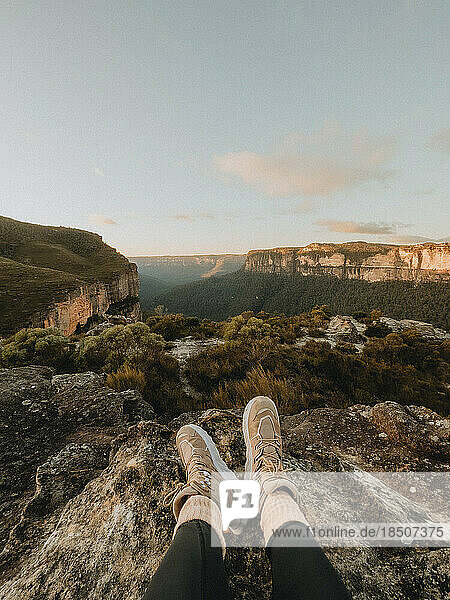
(190, 217)
(409, 239)
(97, 172)
(101, 220)
(387, 230)
(354, 227)
(182, 217)
(301, 209)
(441, 141)
(372, 151)
(318, 164)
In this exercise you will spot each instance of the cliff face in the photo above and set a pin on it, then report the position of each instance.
(61, 277)
(357, 260)
(120, 296)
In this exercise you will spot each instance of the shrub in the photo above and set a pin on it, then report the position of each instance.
(258, 382)
(207, 369)
(316, 333)
(249, 329)
(173, 327)
(377, 329)
(129, 350)
(126, 378)
(320, 315)
(123, 345)
(40, 347)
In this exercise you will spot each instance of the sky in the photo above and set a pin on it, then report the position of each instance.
(206, 126)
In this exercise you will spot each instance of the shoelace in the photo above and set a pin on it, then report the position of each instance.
(268, 460)
(201, 486)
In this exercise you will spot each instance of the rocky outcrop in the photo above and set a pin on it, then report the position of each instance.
(357, 260)
(61, 277)
(91, 523)
(347, 330)
(40, 414)
(426, 330)
(93, 300)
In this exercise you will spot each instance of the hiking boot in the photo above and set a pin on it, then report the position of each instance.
(203, 466)
(262, 434)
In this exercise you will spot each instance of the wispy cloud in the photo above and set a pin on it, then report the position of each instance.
(190, 217)
(387, 231)
(306, 206)
(358, 227)
(101, 220)
(409, 239)
(441, 141)
(97, 172)
(318, 164)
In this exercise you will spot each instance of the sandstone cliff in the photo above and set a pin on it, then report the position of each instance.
(357, 260)
(120, 296)
(61, 277)
(83, 477)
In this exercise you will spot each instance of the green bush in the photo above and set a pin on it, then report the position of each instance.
(126, 378)
(136, 348)
(207, 369)
(377, 329)
(249, 328)
(123, 345)
(172, 327)
(39, 347)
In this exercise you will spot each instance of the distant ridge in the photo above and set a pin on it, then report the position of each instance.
(429, 261)
(161, 273)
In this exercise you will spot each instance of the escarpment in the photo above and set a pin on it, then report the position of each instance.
(357, 260)
(120, 296)
(61, 277)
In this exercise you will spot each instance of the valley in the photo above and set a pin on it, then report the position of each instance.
(159, 274)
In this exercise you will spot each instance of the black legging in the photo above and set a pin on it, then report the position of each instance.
(193, 569)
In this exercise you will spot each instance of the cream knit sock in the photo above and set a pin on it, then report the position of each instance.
(278, 509)
(204, 509)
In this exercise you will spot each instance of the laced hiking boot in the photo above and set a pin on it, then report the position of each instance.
(203, 465)
(262, 434)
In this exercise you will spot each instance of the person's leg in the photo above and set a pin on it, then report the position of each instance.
(300, 569)
(298, 573)
(302, 573)
(192, 568)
